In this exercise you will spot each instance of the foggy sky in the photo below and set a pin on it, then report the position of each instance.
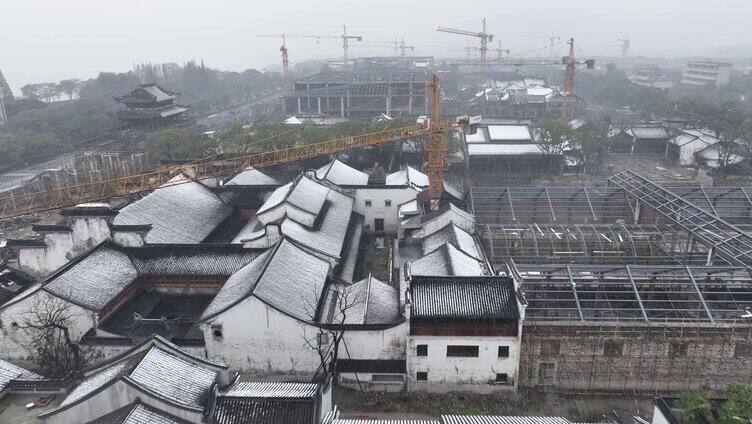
(50, 40)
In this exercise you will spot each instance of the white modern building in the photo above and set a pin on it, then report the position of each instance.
(701, 73)
(651, 76)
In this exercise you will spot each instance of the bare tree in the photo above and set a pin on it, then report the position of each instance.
(46, 331)
(328, 341)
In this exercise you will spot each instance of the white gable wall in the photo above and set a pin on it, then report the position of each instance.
(378, 208)
(259, 339)
(446, 373)
(12, 346)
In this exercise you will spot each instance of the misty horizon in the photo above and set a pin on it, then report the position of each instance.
(81, 38)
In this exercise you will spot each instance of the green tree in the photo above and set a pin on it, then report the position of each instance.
(695, 407)
(70, 87)
(737, 409)
(552, 136)
(233, 138)
(176, 145)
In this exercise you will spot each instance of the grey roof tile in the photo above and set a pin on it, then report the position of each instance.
(95, 279)
(293, 282)
(254, 389)
(182, 213)
(10, 372)
(268, 411)
(447, 260)
(138, 413)
(453, 234)
(470, 297)
(252, 177)
(339, 173)
(239, 286)
(495, 419)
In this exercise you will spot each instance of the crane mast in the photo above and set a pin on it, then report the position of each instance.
(485, 38)
(569, 81)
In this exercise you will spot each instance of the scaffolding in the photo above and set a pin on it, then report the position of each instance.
(635, 293)
(591, 244)
(718, 235)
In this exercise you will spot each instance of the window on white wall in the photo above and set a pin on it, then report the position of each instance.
(387, 203)
(217, 331)
(369, 203)
(503, 351)
(421, 376)
(421, 350)
(462, 351)
(502, 378)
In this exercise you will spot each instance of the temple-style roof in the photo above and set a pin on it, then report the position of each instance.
(138, 413)
(10, 372)
(146, 94)
(372, 302)
(454, 235)
(186, 212)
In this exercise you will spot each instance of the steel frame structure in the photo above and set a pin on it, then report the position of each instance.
(550, 205)
(591, 244)
(718, 235)
(635, 293)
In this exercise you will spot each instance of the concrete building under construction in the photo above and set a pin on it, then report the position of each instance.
(366, 90)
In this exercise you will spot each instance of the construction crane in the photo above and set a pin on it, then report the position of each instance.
(624, 45)
(399, 45)
(345, 37)
(432, 129)
(484, 36)
(553, 39)
(285, 58)
(500, 51)
(569, 62)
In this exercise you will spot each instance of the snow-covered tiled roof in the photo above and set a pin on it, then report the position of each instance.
(95, 279)
(509, 133)
(418, 180)
(272, 389)
(286, 277)
(443, 216)
(181, 213)
(173, 378)
(252, 177)
(293, 282)
(516, 149)
(138, 413)
(475, 298)
(648, 133)
(10, 372)
(339, 173)
(446, 261)
(374, 302)
(408, 176)
(239, 286)
(156, 369)
(454, 235)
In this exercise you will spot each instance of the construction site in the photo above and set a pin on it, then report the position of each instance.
(470, 272)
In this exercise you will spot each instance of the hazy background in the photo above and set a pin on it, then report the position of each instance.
(50, 40)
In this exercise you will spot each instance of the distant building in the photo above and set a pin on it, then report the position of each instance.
(365, 91)
(150, 107)
(527, 98)
(706, 72)
(651, 76)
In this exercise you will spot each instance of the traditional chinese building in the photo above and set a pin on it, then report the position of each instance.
(150, 107)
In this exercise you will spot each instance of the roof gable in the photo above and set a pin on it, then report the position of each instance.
(252, 177)
(339, 173)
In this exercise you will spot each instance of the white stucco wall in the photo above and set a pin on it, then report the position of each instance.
(12, 346)
(390, 215)
(41, 261)
(89, 231)
(259, 339)
(129, 238)
(444, 372)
